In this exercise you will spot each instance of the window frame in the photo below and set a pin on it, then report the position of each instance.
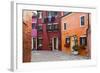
(40, 39)
(81, 21)
(33, 25)
(49, 25)
(39, 14)
(40, 28)
(65, 26)
(81, 44)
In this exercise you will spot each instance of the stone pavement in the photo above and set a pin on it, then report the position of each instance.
(43, 56)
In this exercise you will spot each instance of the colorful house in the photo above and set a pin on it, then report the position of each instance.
(51, 30)
(48, 30)
(74, 32)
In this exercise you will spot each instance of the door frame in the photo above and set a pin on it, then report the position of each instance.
(57, 42)
(33, 42)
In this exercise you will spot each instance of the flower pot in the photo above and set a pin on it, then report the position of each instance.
(75, 52)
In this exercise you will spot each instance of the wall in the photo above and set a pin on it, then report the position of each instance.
(73, 28)
(47, 36)
(27, 35)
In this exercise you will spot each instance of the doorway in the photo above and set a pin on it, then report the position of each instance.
(34, 43)
(55, 43)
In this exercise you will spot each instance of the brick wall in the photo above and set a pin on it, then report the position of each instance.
(27, 30)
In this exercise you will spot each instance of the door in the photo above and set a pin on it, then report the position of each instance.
(55, 43)
(34, 44)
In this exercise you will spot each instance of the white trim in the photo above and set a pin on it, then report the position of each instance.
(52, 44)
(36, 43)
(55, 23)
(33, 43)
(83, 36)
(40, 15)
(49, 24)
(18, 64)
(57, 44)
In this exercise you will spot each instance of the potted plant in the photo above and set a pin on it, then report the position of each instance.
(75, 49)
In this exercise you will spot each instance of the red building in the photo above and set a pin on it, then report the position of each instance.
(48, 30)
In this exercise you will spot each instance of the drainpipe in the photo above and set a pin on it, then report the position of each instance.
(88, 43)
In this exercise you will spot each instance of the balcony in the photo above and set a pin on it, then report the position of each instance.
(49, 19)
(52, 27)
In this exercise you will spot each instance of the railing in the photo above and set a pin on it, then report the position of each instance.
(49, 19)
(52, 27)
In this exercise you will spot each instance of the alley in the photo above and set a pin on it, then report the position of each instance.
(41, 56)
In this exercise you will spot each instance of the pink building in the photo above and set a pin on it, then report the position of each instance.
(46, 30)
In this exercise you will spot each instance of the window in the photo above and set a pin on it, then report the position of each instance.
(45, 20)
(65, 26)
(49, 27)
(40, 27)
(33, 25)
(53, 19)
(83, 41)
(52, 13)
(49, 13)
(51, 16)
(39, 41)
(49, 19)
(55, 26)
(55, 13)
(67, 42)
(34, 20)
(82, 19)
(39, 14)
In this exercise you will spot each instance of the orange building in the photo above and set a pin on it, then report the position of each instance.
(74, 32)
